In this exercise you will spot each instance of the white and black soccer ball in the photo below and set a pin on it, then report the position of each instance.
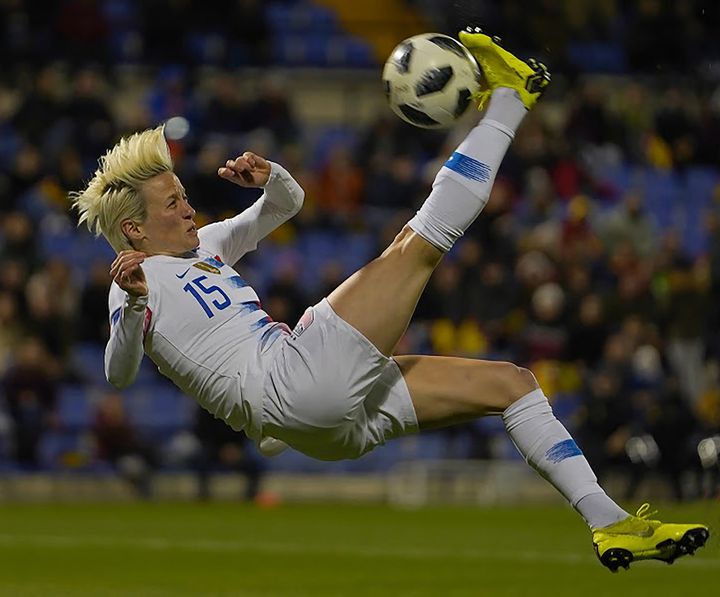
(430, 80)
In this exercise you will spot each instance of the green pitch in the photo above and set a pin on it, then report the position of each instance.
(334, 550)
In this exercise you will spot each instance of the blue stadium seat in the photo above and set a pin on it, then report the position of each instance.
(74, 408)
(321, 49)
(602, 57)
(565, 406)
(300, 17)
(356, 251)
(700, 186)
(159, 406)
(318, 248)
(326, 140)
(58, 450)
(88, 361)
(358, 53)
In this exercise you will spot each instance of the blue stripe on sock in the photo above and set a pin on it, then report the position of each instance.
(563, 450)
(468, 167)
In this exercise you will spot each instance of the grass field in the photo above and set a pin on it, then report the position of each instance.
(301, 550)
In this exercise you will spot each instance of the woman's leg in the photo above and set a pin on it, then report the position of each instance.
(379, 300)
(446, 390)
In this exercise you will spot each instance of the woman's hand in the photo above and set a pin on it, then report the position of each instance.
(247, 170)
(127, 273)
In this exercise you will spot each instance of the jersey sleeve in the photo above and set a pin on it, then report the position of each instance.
(232, 238)
(130, 318)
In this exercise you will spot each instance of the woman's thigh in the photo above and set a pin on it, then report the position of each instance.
(380, 299)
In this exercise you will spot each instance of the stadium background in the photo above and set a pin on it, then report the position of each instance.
(596, 262)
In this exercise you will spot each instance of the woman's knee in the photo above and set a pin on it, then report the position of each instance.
(516, 382)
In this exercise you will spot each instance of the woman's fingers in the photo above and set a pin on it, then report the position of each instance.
(125, 263)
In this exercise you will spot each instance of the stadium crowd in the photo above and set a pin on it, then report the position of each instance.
(596, 262)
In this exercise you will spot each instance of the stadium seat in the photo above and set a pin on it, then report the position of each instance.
(60, 450)
(74, 408)
(300, 17)
(158, 406)
(601, 57)
(88, 361)
(356, 251)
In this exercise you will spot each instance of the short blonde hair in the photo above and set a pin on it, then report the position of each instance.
(113, 194)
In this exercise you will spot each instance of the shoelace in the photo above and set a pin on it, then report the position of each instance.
(643, 512)
(481, 97)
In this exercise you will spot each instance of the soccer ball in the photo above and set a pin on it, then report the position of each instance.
(430, 80)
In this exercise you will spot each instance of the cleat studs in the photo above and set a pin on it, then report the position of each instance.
(615, 558)
(496, 39)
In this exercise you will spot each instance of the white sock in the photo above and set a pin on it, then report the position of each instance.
(462, 187)
(548, 447)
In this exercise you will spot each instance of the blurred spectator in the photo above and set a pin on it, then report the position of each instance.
(629, 223)
(669, 420)
(222, 448)
(30, 388)
(23, 175)
(52, 298)
(165, 25)
(545, 334)
(210, 193)
(588, 330)
(286, 300)
(605, 423)
(271, 110)
(17, 243)
(93, 322)
(91, 121)
(13, 278)
(340, 186)
(442, 298)
(686, 314)
(225, 111)
(40, 109)
(578, 236)
(82, 28)
(248, 30)
(10, 328)
(392, 184)
(119, 443)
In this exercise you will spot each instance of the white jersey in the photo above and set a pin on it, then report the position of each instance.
(201, 323)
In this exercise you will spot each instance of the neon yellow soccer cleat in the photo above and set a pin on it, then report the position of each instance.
(502, 69)
(639, 538)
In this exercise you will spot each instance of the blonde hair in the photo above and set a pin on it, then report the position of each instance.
(113, 194)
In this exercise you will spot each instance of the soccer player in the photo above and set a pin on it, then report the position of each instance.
(332, 388)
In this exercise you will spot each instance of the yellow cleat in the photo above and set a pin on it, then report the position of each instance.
(639, 538)
(502, 69)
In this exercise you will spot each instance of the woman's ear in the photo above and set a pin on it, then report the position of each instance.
(131, 231)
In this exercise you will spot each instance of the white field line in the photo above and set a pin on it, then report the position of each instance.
(204, 545)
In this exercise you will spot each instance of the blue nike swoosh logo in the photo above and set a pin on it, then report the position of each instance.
(181, 276)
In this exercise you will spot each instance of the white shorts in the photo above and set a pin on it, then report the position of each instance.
(330, 393)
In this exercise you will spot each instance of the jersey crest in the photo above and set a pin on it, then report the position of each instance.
(206, 267)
